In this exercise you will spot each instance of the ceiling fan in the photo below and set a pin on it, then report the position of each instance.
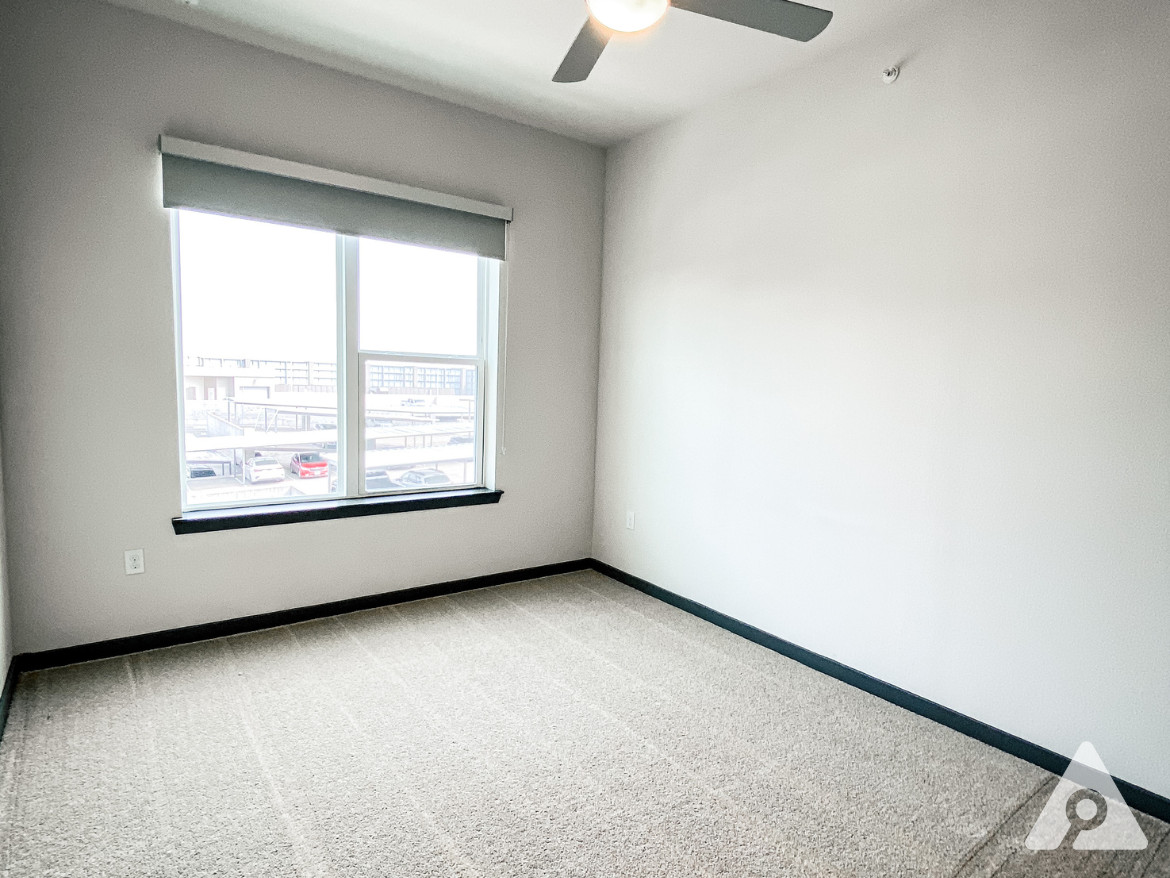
(782, 17)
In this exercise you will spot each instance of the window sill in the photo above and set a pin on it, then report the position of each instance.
(209, 520)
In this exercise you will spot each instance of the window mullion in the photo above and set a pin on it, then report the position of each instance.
(180, 360)
(430, 359)
(350, 450)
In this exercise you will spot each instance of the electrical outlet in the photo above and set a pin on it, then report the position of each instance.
(629, 520)
(135, 561)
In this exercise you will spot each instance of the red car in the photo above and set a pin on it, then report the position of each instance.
(308, 464)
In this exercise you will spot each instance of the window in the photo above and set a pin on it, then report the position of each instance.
(264, 402)
(316, 365)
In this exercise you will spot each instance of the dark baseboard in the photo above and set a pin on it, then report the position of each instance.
(6, 694)
(71, 655)
(1136, 797)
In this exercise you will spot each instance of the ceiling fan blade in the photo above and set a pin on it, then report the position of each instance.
(584, 52)
(781, 17)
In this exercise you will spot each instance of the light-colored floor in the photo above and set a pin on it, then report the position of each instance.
(567, 726)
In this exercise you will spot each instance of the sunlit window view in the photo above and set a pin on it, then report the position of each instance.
(263, 399)
(417, 300)
(432, 433)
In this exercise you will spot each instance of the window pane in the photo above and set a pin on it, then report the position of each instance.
(418, 301)
(259, 474)
(259, 327)
(420, 422)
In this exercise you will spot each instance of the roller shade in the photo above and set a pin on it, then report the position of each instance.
(221, 180)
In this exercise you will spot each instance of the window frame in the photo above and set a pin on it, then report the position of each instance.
(351, 498)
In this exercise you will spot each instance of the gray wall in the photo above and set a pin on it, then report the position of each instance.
(885, 369)
(89, 400)
(5, 619)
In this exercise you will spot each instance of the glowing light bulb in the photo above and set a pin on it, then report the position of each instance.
(627, 15)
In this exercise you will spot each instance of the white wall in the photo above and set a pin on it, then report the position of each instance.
(885, 369)
(89, 399)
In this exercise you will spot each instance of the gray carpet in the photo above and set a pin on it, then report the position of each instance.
(566, 726)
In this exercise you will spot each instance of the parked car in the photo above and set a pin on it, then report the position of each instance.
(379, 480)
(423, 477)
(463, 439)
(308, 464)
(199, 471)
(263, 469)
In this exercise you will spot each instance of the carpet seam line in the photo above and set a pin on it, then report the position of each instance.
(991, 836)
(452, 845)
(735, 805)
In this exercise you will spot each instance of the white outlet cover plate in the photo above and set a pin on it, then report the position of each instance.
(135, 561)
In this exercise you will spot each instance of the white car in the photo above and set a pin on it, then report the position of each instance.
(423, 477)
(263, 469)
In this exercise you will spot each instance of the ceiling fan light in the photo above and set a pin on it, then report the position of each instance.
(627, 15)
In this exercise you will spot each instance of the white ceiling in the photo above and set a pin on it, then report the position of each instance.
(499, 55)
